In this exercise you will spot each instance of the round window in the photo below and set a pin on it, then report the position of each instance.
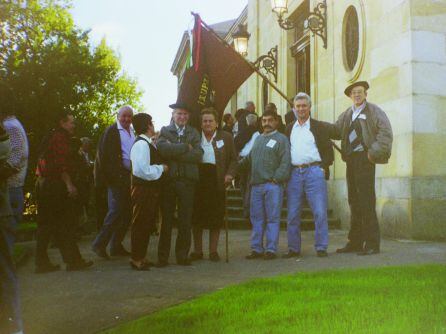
(351, 38)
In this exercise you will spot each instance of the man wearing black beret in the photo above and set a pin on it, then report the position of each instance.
(180, 146)
(366, 139)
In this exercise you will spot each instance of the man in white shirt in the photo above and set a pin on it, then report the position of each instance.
(114, 164)
(147, 169)
(311, 156)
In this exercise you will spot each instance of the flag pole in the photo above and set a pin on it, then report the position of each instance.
(227, 232)
(264, 77)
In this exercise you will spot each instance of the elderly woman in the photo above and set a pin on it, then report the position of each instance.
(216, 171)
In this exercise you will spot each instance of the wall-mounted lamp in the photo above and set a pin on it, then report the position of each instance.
(267, 62)
(316, 20)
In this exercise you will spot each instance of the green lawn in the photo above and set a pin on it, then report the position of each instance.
(405, 300)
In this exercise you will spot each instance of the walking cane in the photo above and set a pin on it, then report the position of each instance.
(226, 230)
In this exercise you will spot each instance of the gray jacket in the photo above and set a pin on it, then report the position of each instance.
(376, 132)
(182, 161)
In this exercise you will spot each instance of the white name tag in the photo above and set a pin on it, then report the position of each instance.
(362, 116)
(220, 143)
(271, 143)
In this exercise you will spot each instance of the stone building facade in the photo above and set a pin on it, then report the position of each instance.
(399, 47)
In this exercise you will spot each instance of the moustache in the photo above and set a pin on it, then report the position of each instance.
(267, 127)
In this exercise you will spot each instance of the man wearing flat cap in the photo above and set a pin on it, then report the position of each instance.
(180, 145)
(366, 140)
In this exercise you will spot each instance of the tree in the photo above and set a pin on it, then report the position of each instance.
(47, 64)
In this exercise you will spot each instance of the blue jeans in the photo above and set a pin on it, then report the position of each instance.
(116, 221)
(266, 204)
(10, 315)
(16, 200)
(309, 182)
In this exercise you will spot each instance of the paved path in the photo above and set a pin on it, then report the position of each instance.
(110, 293)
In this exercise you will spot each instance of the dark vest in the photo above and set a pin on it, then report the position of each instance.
(356, 127)
(155, 159)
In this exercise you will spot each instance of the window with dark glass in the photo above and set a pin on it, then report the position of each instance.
(351, 38)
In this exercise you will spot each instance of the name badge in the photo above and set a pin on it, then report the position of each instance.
(362, 116)
(220, 143)
(271, 143)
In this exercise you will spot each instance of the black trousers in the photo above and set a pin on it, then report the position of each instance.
(176, 194)
(364, 228)
(56, 221)
(145, 202)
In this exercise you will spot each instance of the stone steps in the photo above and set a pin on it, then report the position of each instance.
(234, 214)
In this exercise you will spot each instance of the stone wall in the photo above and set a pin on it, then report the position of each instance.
(402, 55)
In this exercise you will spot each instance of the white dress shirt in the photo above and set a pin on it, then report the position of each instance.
(208, 148)
(248, 146)
(140, 157)
(357, 110)
(127, 140)
(303, 145)
(180, 130)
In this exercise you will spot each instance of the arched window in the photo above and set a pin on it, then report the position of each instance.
(351, 38)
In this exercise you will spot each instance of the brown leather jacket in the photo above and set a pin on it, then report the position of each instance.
(376, 132)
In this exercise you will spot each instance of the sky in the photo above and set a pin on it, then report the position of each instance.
(146, 34)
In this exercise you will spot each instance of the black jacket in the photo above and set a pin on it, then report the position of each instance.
(290, 117)
(108, 163)
(323, 143)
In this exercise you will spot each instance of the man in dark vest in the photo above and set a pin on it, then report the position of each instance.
(147, 171)
(180, 145)
(366, 136)
(114, 163)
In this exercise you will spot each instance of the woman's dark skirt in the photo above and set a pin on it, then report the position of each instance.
(209, 205)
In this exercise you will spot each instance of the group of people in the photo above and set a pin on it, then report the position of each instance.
(179, 176)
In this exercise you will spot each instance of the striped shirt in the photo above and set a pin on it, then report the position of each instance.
(19, 151)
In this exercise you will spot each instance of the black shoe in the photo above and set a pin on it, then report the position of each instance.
(120, 252)
(321, 253)
(194, 256)
(149, 263)
(254, 255)
(349, 248)
(101, 252)
(368, 251)
(214, 257)
(269, 256)
(144, 266)
(80, 265)
(161, 264)
(290, 254)
(47, 268)
(184, 262)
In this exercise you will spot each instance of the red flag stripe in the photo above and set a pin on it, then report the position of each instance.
(197, 42)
